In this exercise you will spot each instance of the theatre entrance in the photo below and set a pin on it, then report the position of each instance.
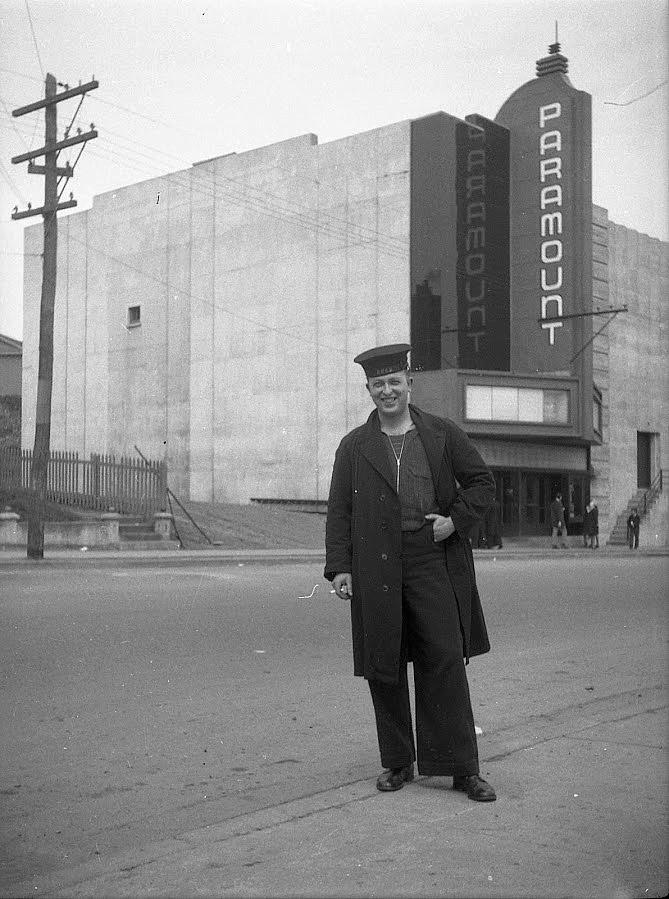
(524, 499)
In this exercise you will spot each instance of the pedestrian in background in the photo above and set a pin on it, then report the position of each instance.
(477, 536)
(406, 489)
(493, 526)
(633, 524)
(558, 527)
(595, 523)
(589, 526)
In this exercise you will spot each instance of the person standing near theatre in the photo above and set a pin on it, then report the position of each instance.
(493, 527)
(558, 527)
(595, 523)
(589, 526)
(406, 489)
(633, 525)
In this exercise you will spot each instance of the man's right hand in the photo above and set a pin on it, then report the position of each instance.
(343, 585)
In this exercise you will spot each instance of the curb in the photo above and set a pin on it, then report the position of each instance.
(172, 557)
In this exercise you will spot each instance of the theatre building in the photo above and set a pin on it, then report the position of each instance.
(211, 316)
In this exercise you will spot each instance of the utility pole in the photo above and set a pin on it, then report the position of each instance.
(51, 171)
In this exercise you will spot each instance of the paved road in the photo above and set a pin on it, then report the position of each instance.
(144, 703)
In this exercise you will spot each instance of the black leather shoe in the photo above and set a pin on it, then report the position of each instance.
(475, 787)
(394, 779)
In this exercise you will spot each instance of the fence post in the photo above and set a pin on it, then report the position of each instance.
(162, 484)
(9, 527)
(95, 472)
(163, 525)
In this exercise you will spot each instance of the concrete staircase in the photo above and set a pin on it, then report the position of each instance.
(643, 500)
(136, 533)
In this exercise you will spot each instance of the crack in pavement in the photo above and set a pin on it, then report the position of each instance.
(557, 724)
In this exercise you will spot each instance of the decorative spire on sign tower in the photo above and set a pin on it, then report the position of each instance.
(556, 63)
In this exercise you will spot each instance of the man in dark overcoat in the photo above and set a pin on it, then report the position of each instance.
(558, 526)
(633, 527)
(595, 523)
(406, 489)
(493, 526)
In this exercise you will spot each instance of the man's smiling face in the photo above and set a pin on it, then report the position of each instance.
(390, 393)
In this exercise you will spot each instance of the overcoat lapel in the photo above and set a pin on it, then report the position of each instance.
(434, 443)
(372, 447)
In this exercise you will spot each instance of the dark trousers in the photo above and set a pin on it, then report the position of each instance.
(445, 735)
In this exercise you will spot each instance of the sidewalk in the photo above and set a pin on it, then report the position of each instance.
(557, 829)
(209, 555)
(107, 793)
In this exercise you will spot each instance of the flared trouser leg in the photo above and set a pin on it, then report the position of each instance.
(445, 735)
(394, 727)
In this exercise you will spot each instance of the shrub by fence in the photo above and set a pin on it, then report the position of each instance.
(128, 485)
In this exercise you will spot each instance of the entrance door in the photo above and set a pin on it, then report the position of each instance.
(643, 461)
(538, 489)
(507, 496)
(532, 505)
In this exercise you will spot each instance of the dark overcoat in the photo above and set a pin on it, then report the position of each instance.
(364, 537)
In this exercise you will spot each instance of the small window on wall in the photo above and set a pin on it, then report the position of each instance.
(134, 316)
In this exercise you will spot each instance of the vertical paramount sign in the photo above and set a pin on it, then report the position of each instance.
(550, 180)
(551, 220)
(482, 149)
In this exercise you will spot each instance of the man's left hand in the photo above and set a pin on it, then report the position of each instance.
(443, 527)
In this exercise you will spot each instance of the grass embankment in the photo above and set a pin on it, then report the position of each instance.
(227, 526)
(250, 527)
(18, 500)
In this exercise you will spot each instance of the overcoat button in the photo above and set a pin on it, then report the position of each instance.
(386, 588)
(384, 556)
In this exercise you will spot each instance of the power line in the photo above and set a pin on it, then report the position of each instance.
(20, 74)
(141, 115)
(254, 198)
(311, 221)
(636, 99)
(614, 313)
(30, 19)
(324, 224)
(257, 194)
(262, 325)
(13, 123)
(5, 174)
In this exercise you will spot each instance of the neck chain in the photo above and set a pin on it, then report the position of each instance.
(398, 456)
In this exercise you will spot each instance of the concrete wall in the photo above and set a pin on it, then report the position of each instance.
(600, 484)
(10, 367)
(654, 529)
(639, 344)
(300, 261)
(103, 532)
(259, 277)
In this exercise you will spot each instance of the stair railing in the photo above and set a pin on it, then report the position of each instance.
(651, 492)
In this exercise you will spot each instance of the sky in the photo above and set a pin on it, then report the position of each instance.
(182, 81)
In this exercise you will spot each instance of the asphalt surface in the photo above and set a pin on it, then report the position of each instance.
(191, 727)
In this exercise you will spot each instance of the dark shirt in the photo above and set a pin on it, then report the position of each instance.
(633, 522)
(417, 494)
(557, 513)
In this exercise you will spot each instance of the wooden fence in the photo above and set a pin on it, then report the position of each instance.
(128, 485)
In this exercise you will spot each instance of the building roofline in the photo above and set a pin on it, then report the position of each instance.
(12, 342)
